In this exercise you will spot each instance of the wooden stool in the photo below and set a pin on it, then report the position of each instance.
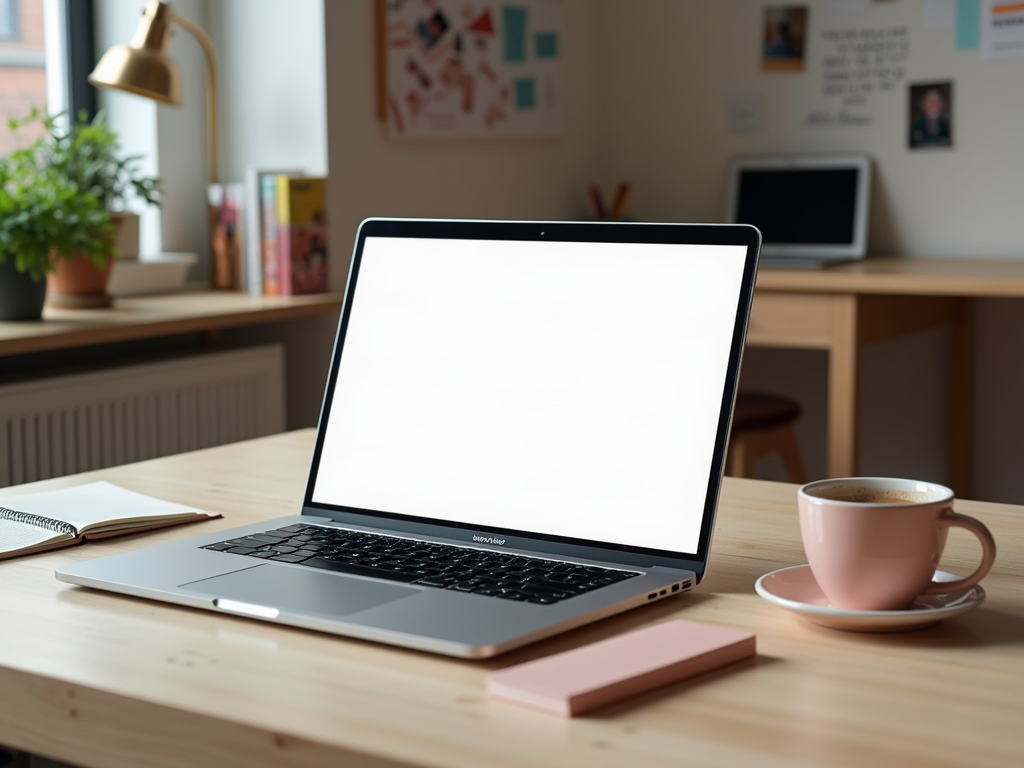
(761, 425)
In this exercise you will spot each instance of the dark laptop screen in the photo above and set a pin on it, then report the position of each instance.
(565, 389)
(800, 205)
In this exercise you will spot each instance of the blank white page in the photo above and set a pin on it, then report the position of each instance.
(571, 389)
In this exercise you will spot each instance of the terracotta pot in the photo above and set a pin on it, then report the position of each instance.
(78, 276)
(78, 283)
(21, 297)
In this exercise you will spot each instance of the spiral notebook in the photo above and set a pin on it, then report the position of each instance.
(40, 521)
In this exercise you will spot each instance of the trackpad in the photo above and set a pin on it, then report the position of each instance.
(295, 590)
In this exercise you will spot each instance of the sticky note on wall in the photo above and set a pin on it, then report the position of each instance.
(968, 16)
(526, 93)
(514, 18)
(546, 44)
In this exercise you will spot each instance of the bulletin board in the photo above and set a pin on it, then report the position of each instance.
(455, 69)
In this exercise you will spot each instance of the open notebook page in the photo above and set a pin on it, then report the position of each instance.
(15, 536)
(97, 507)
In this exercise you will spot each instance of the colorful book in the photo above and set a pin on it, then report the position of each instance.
(254, 224)
(36, 522)
(268, 217)
(301, 234)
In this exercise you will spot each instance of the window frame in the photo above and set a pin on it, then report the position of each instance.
(80, 58)
(14, 18)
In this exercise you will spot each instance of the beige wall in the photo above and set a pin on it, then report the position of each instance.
(678, 64)
(647, 85)
(515, 179)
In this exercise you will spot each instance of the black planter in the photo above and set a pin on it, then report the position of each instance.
(21, 297)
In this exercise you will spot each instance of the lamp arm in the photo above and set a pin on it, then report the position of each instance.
(211, 91)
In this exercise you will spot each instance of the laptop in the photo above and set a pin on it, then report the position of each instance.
(812, 209)
(523, 430)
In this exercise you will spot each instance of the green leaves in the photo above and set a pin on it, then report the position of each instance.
(57, 191)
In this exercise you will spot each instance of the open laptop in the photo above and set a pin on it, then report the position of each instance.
(523, 430)
(812, 209)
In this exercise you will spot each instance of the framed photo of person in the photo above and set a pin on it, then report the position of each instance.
(783, 38)
(931, 115)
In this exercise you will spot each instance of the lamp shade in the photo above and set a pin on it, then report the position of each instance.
(140, 71)
(143, 67)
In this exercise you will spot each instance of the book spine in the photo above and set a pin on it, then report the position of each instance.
(48, 523)
(253, 233)
(284, 234)
(303, 236)
(268, 206)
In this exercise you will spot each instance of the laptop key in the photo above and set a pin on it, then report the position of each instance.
(287, 558)
(431, 581)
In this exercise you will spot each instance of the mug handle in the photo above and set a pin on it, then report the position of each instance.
(951, 519)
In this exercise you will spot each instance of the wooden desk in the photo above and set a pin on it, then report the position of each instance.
(843, 308)
(98, 679)
(148, 317)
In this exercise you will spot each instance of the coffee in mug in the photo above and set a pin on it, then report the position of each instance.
(874, 544)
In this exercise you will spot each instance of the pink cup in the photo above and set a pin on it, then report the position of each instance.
(874, 543)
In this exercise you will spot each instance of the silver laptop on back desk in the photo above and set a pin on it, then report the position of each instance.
(524, 430)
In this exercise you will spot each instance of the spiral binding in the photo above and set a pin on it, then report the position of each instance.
(57, 526)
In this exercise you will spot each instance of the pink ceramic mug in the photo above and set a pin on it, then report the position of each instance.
(873, 543)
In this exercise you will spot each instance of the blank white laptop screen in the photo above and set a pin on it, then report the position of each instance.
(570, 389)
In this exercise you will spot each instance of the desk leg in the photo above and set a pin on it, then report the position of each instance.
(961, 392)
(843, 373)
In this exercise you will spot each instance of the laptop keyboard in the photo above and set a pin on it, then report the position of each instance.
(464, 569)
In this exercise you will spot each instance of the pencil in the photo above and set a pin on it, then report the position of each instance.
(621, 204)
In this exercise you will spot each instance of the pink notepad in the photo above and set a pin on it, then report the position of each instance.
(583, 679)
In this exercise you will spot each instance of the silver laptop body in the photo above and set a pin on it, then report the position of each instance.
(554, 391)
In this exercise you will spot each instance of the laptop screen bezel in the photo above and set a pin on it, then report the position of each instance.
(614, 232)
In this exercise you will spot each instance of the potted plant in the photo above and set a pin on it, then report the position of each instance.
(42, 218)
(85, 159)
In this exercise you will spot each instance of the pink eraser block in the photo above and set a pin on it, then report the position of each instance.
(583, 679)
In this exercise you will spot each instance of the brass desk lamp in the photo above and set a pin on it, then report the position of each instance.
(143, 67)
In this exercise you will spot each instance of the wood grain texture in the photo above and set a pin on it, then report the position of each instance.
(147, 317)
(976, 278)
(104, 680)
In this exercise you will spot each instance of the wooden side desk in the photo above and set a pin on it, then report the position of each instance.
(131, 319)
(97, 679)
(843, 308)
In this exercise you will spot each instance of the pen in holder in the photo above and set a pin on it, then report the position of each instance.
(619, 206)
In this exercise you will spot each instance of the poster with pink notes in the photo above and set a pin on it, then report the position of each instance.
(469, 69)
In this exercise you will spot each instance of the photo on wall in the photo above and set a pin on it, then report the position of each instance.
(783, 38)
(931, 115)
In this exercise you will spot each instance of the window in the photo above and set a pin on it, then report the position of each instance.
(9, 30)
(46, 55)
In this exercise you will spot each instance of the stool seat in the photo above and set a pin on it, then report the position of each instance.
(763, 424)
(755, 410)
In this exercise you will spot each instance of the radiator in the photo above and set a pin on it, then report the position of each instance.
(77, 422)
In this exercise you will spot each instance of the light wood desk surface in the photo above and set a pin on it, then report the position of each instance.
(146, 317)
(843, 308)
(103, 680)
(977, 278)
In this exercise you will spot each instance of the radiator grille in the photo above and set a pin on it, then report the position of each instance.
(84, 421)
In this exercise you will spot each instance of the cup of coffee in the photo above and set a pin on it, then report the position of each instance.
(873, 543)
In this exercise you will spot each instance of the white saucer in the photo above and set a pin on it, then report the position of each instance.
(796, 590)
